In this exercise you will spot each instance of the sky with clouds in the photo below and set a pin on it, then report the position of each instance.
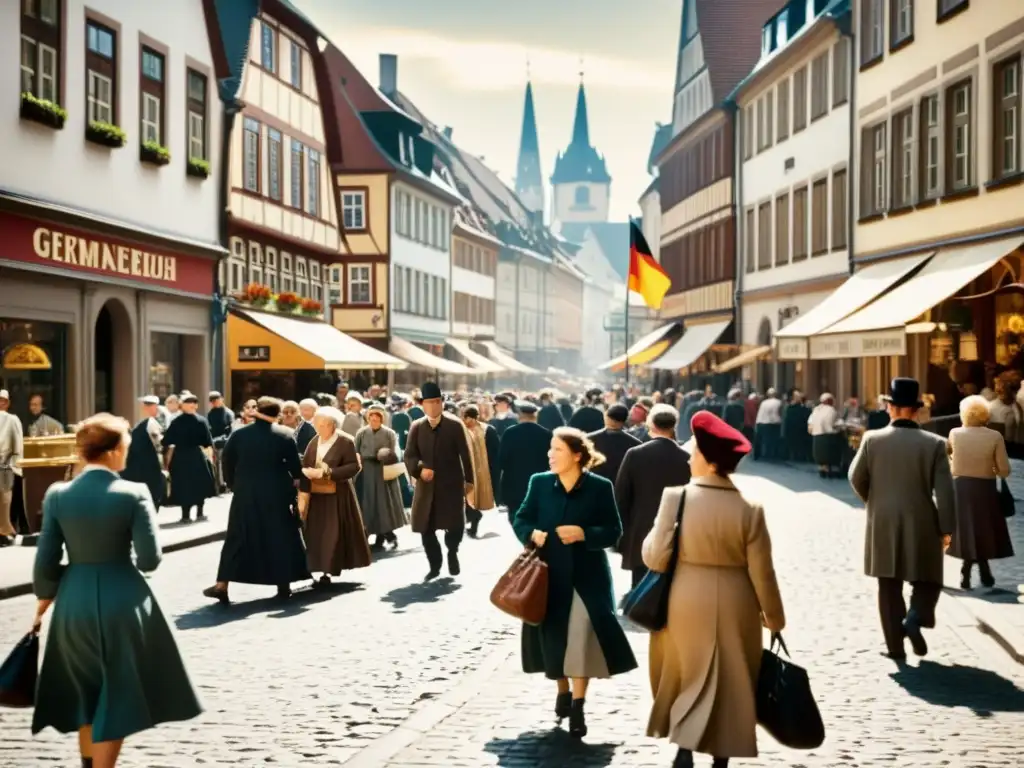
(464, 64)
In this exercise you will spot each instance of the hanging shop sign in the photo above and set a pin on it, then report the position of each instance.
(26, 357)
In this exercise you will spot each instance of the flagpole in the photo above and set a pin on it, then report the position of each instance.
(625, 324)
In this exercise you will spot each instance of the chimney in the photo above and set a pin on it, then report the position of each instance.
(448, 132)
(388, 74)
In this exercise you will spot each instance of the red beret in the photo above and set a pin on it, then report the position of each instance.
(721, 444)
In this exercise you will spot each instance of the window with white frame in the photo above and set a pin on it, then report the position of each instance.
(270, 260)
(1007, 127)
(296, 62)
(150, 118)
(414, 306)
(402, 219)
(101, 66)
(445, 232)
(300, 267)
(930, 148)
(312, 182)
(298, 153)
(40, 40)
(268, 47)
(251, 150)
(960, 150)
(399, 290)
(872, 27)
(408, 288)
(196, 115)
(237, 274)
(901, 21)
(314, 270)
(101, 105)
(275, 164)
(903, 159)
(359, 284)
(353, 209)
(255, 263)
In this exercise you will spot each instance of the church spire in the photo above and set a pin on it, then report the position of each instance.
(529, 186)
(581, 126)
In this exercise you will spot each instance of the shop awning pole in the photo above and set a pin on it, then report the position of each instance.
(625, 325)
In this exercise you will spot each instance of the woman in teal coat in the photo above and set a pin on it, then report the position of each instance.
(570, 515)
(111, 667)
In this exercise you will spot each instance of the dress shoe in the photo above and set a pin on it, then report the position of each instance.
(563, 706)
(220, 595)
(899, 658)
(987, 579)
(577, 720)
(432, 574)
(284, 592)
(6, 541)
(684, 759)
(912, 629)
(453, 564)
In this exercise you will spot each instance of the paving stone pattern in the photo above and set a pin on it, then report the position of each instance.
(318, 681)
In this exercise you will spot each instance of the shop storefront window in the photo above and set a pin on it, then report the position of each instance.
(166, 364)
(33, 361)
(1009, 327)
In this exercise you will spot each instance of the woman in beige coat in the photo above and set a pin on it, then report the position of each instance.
(704, 664)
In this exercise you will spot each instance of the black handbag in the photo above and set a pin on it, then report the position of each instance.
(785, 705)
(647, 604)
(19, 672)
(1007, 504)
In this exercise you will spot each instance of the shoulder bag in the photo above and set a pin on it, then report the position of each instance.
(647, 604)
(785, 705)
(522, 591)
(1007, 504)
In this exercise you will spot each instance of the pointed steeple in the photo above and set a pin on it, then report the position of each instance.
(529, 186)
(581, 125)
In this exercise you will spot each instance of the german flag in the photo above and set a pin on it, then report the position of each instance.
(646, 276)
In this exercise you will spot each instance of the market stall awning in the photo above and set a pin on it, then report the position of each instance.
(880, 328)
(477, 361)
(694, 342)
(863, 286)
(743, 358)
(645, 349)
(420, 358)
(506, 359)
(271, 341)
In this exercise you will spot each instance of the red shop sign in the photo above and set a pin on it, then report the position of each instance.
(53, 245)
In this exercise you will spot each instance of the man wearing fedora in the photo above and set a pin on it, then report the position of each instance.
(902, 475)
(438, 457)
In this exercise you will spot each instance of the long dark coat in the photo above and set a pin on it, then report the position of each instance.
(581, 567)
(550, 417)
(502, 423)
(902, 475)
(143, 463)
(612, 444)
(192, 478)
(795, 437)
(263, 543)
(492, 440)
(524, 453)
(587, 418)
(401, 424)
(646, 471)
(441, 503)
(733, 414)
(303, 435)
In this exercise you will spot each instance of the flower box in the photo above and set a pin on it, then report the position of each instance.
(151, 152)
(105, 134)
(312, 308)
(256, 294)
(197, 168)
(287, 302)
(43, 112)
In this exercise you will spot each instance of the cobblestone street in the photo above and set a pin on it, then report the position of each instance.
(388, 672)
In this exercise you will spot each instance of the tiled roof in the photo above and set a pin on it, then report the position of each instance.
(730, 32)
(359, 150)
(233, 21)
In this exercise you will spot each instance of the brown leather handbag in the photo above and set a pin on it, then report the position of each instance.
(324, 486)
(523, 589)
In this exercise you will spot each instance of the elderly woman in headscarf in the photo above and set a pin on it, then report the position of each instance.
(823, 426)
(335, 539)
(380, 498)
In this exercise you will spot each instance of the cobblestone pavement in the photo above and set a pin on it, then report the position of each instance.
(391, 673)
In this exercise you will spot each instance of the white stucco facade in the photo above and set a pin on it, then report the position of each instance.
(520, 306)
(793, 177)
(61, 166)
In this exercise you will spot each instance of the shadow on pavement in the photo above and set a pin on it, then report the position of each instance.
(215, 614)
(390, 554)
(982, 691)
(414, 594)
(554, 747)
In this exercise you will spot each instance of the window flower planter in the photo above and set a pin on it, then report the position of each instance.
(43, 112)
(197, 168)
(105, 134)
(154, 154)
(287, 302)
(312, 308)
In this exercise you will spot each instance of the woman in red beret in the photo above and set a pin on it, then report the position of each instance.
(704, 664)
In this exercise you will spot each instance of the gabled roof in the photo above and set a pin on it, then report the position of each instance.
(730, 32)
(229, 27)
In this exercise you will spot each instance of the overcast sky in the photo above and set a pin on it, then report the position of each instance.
(464, 64)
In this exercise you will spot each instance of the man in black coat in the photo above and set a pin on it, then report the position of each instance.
(220, 418)
(263, 544)
(646, 471)
(550, 416)
(143, 463)
(613, 441)
(305, 432)
(504, 416)
(589, 417)
(523, 454)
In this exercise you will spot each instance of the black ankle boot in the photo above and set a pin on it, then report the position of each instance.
(720, 762)
(86, 762)
(965, 575)
(577, 720)
(684, 759)
(987, 579)
(563, 706)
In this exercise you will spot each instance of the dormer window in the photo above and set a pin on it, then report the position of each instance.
(782, 27)
(401, 148)
(766, 39)
(412, 150)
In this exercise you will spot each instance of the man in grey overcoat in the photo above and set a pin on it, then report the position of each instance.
(902, 475)
(438, 457)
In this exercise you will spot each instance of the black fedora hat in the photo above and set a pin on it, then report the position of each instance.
(905, 392)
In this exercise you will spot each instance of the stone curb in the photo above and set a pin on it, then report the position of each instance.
(17, 590)
(423, 720)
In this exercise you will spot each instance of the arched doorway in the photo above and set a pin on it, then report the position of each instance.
(764, 368)
(113, 360)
